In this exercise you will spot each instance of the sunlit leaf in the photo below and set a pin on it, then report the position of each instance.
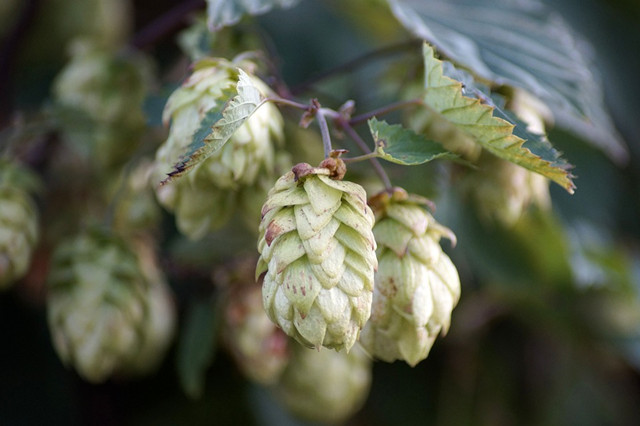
(219, 124)
(222, 13)
(443, 97)
(400, 145)
(525, 44)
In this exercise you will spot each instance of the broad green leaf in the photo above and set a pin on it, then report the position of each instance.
(222, 13)
(524, 44)
(219, 124)
(400, 145)
(197, 346)
(444, 98)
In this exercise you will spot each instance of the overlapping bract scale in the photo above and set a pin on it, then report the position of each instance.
(416, 287)
(318, 251)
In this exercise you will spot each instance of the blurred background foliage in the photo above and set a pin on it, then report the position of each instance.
(547, 331)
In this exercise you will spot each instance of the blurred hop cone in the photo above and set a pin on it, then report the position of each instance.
(99, 96)
(204, 199)
(416, 286)
(259, 348)
(18, 222)
(109, 308)
(325, 386)
(318, 251)
(505, 190)
(136, 208)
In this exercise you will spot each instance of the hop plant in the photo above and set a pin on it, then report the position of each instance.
(318, 251)
(18, 222)
(325, 386)
(259, 348)
(108, 308)
(416, 286)
(505, 190)
(205, 199)
(106, 91)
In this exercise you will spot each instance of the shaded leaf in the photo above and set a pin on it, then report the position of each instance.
(197, 346)
(219, 124)
(525, 44)
(222, 13)
(400, 145)
(477, 117)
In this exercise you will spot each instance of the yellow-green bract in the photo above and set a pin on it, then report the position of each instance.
(318, 251)
(417, 285)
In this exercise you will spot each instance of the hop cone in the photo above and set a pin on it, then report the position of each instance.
(108, 312)
(325, 386)
(417, 285)
(318, 252)
(259, 348)
(204, 199)
(18, 222)
(99, 97)
(503, 191)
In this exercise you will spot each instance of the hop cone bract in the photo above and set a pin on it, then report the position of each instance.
(325, 386)
(318, 252)
(104, 308)
(416, 286)
(204, 199)
(18, 222)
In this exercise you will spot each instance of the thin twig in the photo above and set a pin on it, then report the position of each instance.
(344, 124)
(358, 119)
(390, 50)
(166, 24)
(363, 157)
(324, 131)
(288, 102)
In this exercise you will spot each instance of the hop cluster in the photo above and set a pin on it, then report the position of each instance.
(107, 91)
(205, 198)
(109, 309)
(416, 286)
(18, 222)
(318, 251)
(325, 386)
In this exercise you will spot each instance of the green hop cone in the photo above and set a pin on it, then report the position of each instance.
(205, 198)
(105, 306)
(318, 251)
(503, 191)
(325, 386)
(99, 97)
(416, 286)
(259, 348)
(18, 222)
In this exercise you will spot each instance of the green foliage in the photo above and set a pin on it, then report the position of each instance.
(444, 96)
(228, 12)
(197, 346)
(524, 44)
(404, 146)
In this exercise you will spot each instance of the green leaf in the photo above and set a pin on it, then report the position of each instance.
(524, 44)
(444, 99)
(222, 13)
(197, 346)
(219, 124)
(400, 145)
